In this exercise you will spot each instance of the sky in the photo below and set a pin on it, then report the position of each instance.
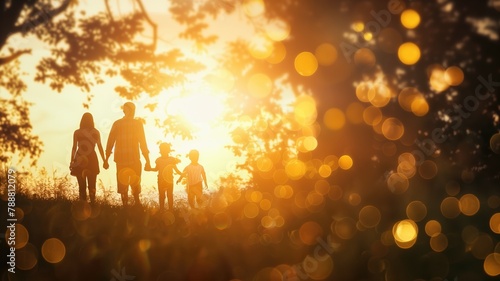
(55, 116)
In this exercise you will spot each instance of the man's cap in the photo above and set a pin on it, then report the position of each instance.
(129, 105)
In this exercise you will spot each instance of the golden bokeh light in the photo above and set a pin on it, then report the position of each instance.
(354, 113)
(410, 18)
(295, 169)
(482, 246)
(368, 36)
(265, 204)
(438, 242)
(334, 119)
(432, 228)
(495, 223)
(428, 169)
(491, 264)
(309, 232)
(322, 187)
(324, 171)
(437, 78)
(358, 26)
(405, 233)
(345, 162)
(305, 110)
(369, 216)
(407, 169)
(416, 210)
(306, 64)
(53, 250)
(419, 106)
(251, 210)
(278, 30)
(452, 188)
(345, 228)
(326, 54)
(372, 115)
(264, 164)
(397, 183)
(283, 191)
(354, 199)
(259, 85)
(323, 267)
(222, 221)
(27, 257)
(254, 8)
(393, 128)
(260, 46)
(407, 96)
(21, 235)
(454, 75)
(379, 95)
(409, 53)
(364, 57)
(278, 54)
(335, 193)
(495, 143)
(469, 204)
(450, 207)
(362, 90)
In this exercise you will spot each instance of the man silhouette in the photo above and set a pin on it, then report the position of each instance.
(127, 136)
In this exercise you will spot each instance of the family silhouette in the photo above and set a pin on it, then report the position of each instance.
(127, 140)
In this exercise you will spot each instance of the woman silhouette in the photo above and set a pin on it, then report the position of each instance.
(84, 164)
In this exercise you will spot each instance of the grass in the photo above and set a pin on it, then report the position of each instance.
(240, 234)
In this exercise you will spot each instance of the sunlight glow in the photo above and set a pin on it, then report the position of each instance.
(254, 8)
(198, 109)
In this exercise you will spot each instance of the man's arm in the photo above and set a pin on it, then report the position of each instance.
(109, 145)
(143, 144)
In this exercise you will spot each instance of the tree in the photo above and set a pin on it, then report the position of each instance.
(84, 49)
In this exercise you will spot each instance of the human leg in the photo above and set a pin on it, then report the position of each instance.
(82, 186)
(122, 179)
(135, 182)
(197, 191)
(91, 179)
(170, 195)
(161, 194)
(190, 196)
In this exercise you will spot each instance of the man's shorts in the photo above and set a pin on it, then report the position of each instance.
(129, 175)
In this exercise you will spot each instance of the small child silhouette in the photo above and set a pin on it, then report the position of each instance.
(195, 174)
(165, 166)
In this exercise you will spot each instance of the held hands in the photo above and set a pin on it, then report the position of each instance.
(105, 165)
(147, 167)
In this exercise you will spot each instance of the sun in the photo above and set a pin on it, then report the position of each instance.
(200, 110)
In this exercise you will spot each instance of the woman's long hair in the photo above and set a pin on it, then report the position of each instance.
(87, 121)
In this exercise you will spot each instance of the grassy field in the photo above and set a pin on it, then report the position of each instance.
(242, 234)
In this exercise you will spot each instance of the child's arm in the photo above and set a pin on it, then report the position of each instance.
(177, 170)
(183, 174)
(204, 176)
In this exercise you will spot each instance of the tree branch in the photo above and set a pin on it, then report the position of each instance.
(152, 23)
(44, 17)
(109, 10)
(14, 56)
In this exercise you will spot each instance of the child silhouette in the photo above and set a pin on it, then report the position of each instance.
(165, 166)
(195, 174)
